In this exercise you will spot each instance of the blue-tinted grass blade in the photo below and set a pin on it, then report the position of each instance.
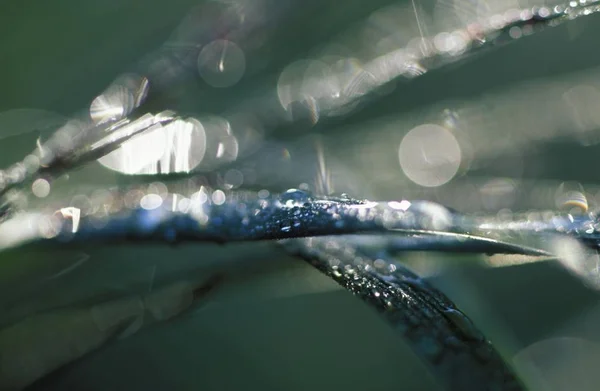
(207, 215)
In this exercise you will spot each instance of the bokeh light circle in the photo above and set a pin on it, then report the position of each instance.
(221, 63)
(429, 155)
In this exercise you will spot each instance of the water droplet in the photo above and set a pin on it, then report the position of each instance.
(431, 215)
(379, 263)
(294, 197)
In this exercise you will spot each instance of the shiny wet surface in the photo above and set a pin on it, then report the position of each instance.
(277, 321)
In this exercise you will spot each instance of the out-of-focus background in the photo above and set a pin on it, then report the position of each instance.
(508, 130)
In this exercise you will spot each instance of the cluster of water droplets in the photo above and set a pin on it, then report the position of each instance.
(157, 212)
(168, 212)
(333, 85)
(422, 314)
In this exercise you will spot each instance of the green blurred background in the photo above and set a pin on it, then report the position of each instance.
(275, 323)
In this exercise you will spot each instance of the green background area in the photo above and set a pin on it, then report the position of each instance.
(275, 323)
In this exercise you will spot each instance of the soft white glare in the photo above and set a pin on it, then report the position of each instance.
(578, 259)
(113, 104)
(582, 106)
(498, 193)
(40, 188)
(218, 197)
(137, 153)
(312, 88)
(183, 205)
(570, 196)
(199, 197)
(221, 63)
(124, 95)
(185, 146)
(289, 88)
(151, 201)
(402, 205)
(71, 213)
(430, 155)
(233, 178)
(366, 205)
(21, 228)
(177, 147)
(221, 144)
(496, 125)
(433, 215)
